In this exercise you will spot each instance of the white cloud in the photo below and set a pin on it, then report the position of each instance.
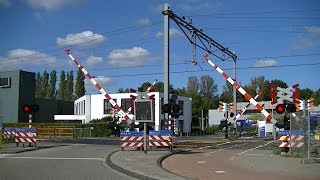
(172, 32)
(311, 38)
(51, 4)
(136, 56)
(102, 80)
(313, 30)
(85, 39)
(19, 58)
(5, 3)
(193, 5)
(144, 21)
(265, 63)
(93, 60)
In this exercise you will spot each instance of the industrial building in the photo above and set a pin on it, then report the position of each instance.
(17, 88)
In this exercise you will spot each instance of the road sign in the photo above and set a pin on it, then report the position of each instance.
(143, 110)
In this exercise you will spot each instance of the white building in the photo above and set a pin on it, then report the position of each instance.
(96, 106)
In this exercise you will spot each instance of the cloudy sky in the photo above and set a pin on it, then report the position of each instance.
(120, 42)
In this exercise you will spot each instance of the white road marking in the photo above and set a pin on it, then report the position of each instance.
(201, 162)
(250, 150)
(207, 154)
(254, 154)
(223, 143)
(219, 172)
(53, 158)
(4, 155)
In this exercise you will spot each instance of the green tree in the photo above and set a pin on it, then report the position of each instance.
(159, 87)
(227, 93)
(208, 92)
(316, 97)
(306, 93)
(193, 85)
(69, 86)
(62, 86)
(44, 85)
(38, 85)
(52, 85)
(79, 86)
(123, 90)
(144, 86)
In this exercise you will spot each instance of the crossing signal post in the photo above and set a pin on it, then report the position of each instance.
(30, 109)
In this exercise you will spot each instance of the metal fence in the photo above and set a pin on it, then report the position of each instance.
(304, 140)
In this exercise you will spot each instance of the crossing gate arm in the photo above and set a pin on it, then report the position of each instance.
(241, 90)
(99, 87)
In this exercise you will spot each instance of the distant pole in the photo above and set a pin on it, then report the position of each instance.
(309, 133)
(145, 138)
(202, 122)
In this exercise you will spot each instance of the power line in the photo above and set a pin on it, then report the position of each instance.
(115, 33)
(187, 71)
(254, 13)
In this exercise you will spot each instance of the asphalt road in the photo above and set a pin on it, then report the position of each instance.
(76, 161)
(244, 159)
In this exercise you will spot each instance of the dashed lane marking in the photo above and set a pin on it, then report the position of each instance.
(250, 150)
(220, 172)
(208, 154)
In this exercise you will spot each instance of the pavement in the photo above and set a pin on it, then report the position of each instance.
(150, 166)
(11, 148)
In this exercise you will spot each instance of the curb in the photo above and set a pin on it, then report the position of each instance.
(162, 158)
(124, 171)
(310, 161)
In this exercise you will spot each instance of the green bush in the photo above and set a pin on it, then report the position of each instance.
(211, 129)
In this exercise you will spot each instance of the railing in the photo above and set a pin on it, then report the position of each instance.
(57, 131)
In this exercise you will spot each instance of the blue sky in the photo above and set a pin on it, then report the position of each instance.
(121, 43)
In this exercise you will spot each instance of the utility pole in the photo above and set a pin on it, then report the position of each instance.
(166, 12)
(235, 94)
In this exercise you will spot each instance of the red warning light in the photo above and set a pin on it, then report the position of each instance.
(26, 108)
(280, 108)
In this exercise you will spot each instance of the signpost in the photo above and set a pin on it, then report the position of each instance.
(143, 111)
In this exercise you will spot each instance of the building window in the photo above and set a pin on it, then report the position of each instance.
(107, 106)
(126, 104)
(181, 104)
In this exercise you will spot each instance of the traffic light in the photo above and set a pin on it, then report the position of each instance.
(291, 108)
(280, 108)
(26, 108)
(222, 106)
(166, 108)
(286, 122)
(30, 108)
(176, 108)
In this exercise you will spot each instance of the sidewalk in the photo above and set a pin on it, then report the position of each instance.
(139, 165)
